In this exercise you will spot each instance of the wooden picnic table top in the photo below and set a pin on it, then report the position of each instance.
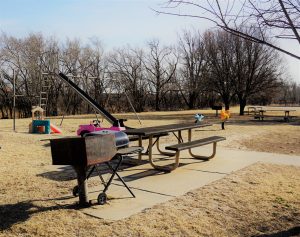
(255, 107)
(148, 131)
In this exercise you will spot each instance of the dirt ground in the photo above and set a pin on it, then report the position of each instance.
(259, 200)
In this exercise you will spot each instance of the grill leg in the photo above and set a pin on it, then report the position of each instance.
(82, 185)
(115, 172)
(91, 171)
(122, 180)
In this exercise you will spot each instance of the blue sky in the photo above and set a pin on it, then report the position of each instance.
(115, 22)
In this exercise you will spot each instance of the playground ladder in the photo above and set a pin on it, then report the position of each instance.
(45, 85)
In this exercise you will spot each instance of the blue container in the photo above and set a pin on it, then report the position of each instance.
(41, 123)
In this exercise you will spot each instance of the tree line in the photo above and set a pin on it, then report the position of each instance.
(200, 70)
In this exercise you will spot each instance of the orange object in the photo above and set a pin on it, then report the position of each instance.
(55, 129)
(41, 129)
(225, 114)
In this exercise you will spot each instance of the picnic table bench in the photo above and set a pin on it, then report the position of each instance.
(151, 132)
(196, 143)
(261, 113)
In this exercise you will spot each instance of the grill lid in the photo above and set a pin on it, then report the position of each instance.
(121, 138)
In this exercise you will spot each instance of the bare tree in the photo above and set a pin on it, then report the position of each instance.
(5, 96)
(96, 70)
(126, 68)
(220, 52)
(289, 93)
(161, 64)
(69, 64)
(240, 68)
(24, 56)
(275, 18)
(257, 69)
(194, 67)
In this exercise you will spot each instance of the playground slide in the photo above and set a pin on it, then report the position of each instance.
(54, 129)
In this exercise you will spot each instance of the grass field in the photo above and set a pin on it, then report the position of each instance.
(258, 200)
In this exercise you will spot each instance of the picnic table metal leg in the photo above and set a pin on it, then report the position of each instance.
(163, 152)
(166, 168)
(180, 140)
(261, 115)
(140, 145)
(201, 157)
(286, 116)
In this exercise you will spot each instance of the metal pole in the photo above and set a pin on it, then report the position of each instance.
(132, 107)
(14, 100)
(129, 102)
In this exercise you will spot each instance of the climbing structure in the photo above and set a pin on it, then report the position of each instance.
(45, 86)
(39, 124)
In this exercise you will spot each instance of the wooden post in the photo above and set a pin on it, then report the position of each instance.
(14, 100)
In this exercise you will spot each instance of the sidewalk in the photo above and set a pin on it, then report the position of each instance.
(152, 187)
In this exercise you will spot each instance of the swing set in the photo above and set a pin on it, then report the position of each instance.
(117, 124)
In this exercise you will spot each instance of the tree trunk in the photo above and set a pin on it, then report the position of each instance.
(226, 101)
(242, 106)
(192, 99)
(157, 104)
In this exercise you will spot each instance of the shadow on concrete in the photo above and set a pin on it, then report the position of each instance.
(207, 171)
(67, 173)
(144, 173)
(151, 172)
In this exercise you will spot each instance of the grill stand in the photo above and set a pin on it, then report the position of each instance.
(82, 189)
(82, 184)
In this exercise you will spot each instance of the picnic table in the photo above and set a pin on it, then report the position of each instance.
(253, 109)
(286, 116)
(155, 132)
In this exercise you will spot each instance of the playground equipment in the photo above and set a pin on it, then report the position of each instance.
(117, 124)
(55, 129)
(13, 80)
(95, 126)
(44, 88)
(39, 124)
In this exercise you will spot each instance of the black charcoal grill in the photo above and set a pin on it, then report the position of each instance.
(86, 153)
(121, 138)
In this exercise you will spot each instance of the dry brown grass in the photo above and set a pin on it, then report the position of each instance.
(260, 199)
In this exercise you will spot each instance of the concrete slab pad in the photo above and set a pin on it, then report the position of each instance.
(152, 187)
